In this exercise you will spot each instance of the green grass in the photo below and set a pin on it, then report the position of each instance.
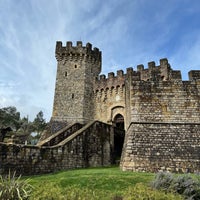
(94, 184)
(110, 180)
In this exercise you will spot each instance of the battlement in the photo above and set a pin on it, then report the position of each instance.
(152, 65)
(153, 72)
(162, 72)
(78, 52)
(156, 73)
(111, 79)
(194, 75)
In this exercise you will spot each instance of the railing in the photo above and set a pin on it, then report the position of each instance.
(60, 135)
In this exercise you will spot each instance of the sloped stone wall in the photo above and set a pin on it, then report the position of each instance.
(88, 147)
(162, 146)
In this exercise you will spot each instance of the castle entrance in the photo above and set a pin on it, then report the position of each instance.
(119, 134)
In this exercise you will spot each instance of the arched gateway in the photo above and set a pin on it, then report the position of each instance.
(119, 134)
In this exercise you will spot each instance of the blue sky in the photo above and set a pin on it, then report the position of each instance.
(128, 32)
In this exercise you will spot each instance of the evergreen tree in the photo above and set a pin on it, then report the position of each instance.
(10, 117)
(39, 123)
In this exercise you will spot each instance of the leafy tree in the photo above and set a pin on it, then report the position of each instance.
(26, 127)
(21, 127)
(9, 121)
(39, 123)
(10, 117)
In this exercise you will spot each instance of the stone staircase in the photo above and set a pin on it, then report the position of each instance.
(60, 135)
(75, 146)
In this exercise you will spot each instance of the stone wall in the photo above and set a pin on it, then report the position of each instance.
(164, 118)
(165, 101)
(109, 97)
(162, 146)
(88, 147)
(161, 111)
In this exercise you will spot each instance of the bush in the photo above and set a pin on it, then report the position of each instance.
(141, 192)
(187, 186)
(163, 181)
(184, 185)
(14, 188)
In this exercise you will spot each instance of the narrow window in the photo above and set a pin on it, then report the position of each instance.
(72, 96)
(75, 66)
(66, 74)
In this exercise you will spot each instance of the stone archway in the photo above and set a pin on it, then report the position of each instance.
(119, 134)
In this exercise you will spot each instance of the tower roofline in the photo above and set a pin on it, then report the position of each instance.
(79, 49)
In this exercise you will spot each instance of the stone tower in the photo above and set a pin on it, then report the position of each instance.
(77, 67)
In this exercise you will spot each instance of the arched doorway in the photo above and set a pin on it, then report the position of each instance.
(119, 134)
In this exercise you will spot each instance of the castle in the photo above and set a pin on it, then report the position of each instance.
(148, 119)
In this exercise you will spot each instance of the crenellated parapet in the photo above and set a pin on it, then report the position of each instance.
(110, 84)
(78, 53)
(194, 75)
(158, 73)
(162, 74)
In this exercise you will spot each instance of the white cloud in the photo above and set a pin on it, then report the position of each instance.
(187, 56)
(127, 32)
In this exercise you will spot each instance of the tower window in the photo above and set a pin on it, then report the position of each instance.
(73, 96)
(65, 73)
(75, 66)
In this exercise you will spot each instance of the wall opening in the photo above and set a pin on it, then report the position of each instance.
(119, 134)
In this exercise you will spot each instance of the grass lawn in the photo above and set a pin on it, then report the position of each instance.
(110, 181)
